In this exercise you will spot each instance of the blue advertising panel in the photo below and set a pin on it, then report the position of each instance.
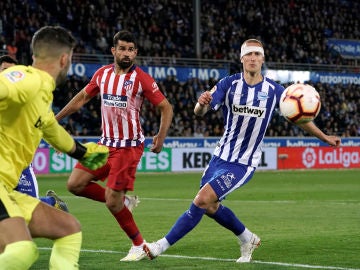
(335, 78)
(268, 142)
(185, 73)
(346, 48)
(211, 142)
(158, 72)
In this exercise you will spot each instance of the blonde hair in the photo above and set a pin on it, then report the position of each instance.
(252, 40)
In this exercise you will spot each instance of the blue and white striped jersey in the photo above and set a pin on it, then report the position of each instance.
(247, 111)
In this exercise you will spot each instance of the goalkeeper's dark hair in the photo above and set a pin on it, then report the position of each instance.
(124, 35)
(8, 59)
(51, 41)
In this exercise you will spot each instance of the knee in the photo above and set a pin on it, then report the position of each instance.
(211, 210)
(206, 198)
(75, 225)
(114, 201)
(203, 200)
(207, 203)
(73, 188)
(114, 206)
(78, 180)
(201, 203)
(69, 226)
(19, 255)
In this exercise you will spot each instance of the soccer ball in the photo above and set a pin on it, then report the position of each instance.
(300, 103)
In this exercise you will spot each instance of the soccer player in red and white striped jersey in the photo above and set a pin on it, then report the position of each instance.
(123, 86)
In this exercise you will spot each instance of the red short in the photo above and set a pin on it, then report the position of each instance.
(120, 168)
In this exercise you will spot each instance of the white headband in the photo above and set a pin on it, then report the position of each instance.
(248, 49)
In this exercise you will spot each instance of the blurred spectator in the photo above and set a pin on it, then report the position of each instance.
(339, 114)
(198, 133)
(102, 44)
(12, 50)
(293, 31)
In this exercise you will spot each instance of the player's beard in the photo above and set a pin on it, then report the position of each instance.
(62, 77)
(124, 64)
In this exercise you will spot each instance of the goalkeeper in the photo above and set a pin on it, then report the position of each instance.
(26, 117)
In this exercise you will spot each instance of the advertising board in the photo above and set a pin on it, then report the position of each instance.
(193, 154)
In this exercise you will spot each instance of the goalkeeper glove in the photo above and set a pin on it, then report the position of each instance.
(91, 155)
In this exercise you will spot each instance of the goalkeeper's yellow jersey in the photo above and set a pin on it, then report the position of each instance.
(26, 95)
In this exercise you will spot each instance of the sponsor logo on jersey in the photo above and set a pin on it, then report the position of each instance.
(38, 123)
(15, 76)
(155, 87)
(116, 101)
(251, 111)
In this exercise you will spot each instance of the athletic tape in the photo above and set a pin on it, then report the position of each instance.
(248, 49)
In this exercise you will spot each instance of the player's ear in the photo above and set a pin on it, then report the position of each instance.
(64, 59)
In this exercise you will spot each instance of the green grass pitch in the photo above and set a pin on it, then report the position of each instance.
(306, 220)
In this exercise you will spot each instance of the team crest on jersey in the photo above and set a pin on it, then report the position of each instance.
(262, 96)
(128, 85)
(15, 76)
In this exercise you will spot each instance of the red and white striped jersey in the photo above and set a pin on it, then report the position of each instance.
(122, 97)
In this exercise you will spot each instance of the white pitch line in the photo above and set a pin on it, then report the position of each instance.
(262, 201)
(340, 202)
(223, 260)
(306, 266)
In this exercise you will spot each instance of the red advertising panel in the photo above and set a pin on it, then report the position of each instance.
(318, 157)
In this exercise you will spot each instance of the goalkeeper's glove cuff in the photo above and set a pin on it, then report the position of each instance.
(80, 151)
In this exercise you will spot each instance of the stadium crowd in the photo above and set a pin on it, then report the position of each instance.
(339, 114)
(292, 31)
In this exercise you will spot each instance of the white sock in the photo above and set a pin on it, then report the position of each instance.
(245, 236)
(164, 244)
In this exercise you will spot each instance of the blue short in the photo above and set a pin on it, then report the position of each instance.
(224, 177)
(28, 183)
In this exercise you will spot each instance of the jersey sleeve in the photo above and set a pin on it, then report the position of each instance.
(151, 89)
(279, 89)
(92, 88)
(219, 93)
(56, 135)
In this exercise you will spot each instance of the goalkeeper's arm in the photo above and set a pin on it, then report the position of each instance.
(90, 154)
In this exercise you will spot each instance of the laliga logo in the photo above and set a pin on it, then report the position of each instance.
(309, 157)
(329, 157)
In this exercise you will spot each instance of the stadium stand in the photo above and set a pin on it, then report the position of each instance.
(294, 34)
(340, 112)
(293, 31)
